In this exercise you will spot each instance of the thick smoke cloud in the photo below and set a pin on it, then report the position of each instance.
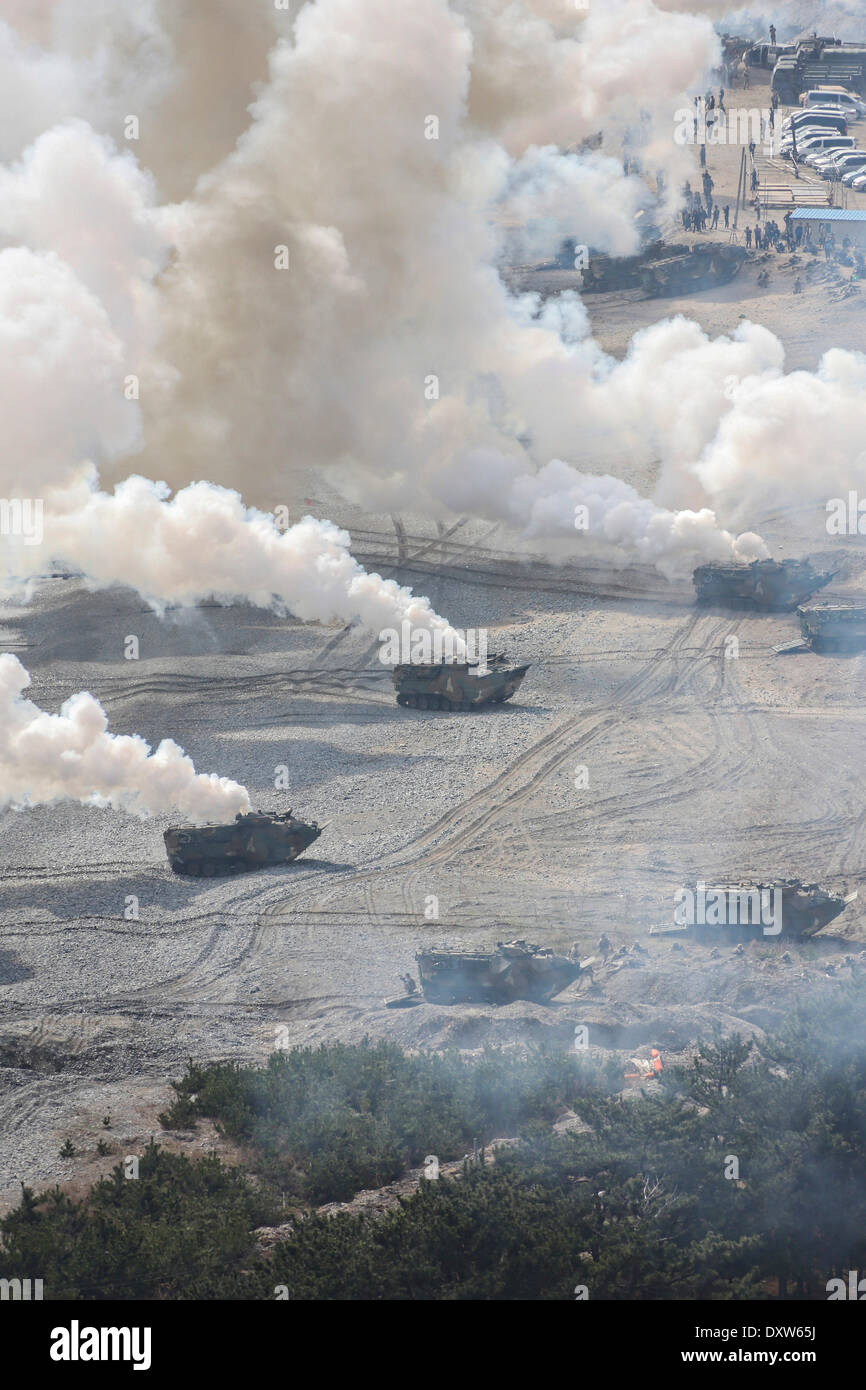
(391, 247)
(558, 500)
(549, 194)
(547, 72)
(164, 339)
(72, 756)
(97, 60)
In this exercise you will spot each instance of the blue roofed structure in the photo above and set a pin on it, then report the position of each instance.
(842, 222)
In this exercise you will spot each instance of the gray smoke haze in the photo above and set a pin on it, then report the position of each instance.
(839, 18)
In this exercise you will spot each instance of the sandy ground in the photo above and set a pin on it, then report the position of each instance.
(698, 766)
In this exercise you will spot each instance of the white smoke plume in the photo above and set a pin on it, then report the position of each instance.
(75, 317)
(550, 193)
(203, 542)
(559, 500)
(73, 756)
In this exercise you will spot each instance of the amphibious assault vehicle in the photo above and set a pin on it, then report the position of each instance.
(787, 907)
(605, 273)
(514, 970)
(829, 627)
(252, 841)
(776, 585)
(686, 272)
(457, 685)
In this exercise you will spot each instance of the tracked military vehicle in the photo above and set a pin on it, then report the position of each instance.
(829, 627)
(774, 585)
(686, 272)
(605, 273)
(746, 911)
(457, 685)
(252, 841)
(514, 970)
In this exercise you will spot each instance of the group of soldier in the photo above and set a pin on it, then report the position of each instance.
(772, 237)
(697, 218)
(798, 237)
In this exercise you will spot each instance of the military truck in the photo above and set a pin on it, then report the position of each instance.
(749, 910)
(252, 841)
(773, 585)
(829, 627)
(457, 685)
(691, 270)
(819, 61)
(515, 970)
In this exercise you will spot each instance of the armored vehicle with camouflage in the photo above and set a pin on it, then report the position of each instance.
(514, 970)
(774, 585)
(605, 273)
(743, 911)
(686, 272)
(457, 685)
(252, 841)
(829, 627)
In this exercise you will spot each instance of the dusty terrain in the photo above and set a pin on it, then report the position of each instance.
(698, 766)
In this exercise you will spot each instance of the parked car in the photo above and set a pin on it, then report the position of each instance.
(819, 117)
(804, 140)
(833, 166)
(847, 101)
(834, 156)
(802, 132)
(818, 145)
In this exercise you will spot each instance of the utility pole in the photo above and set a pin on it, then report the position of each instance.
(741, 187)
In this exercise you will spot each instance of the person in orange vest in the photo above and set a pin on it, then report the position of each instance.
(649, 1068)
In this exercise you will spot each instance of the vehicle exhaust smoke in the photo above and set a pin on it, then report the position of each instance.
(205, 543)
(72, 756)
